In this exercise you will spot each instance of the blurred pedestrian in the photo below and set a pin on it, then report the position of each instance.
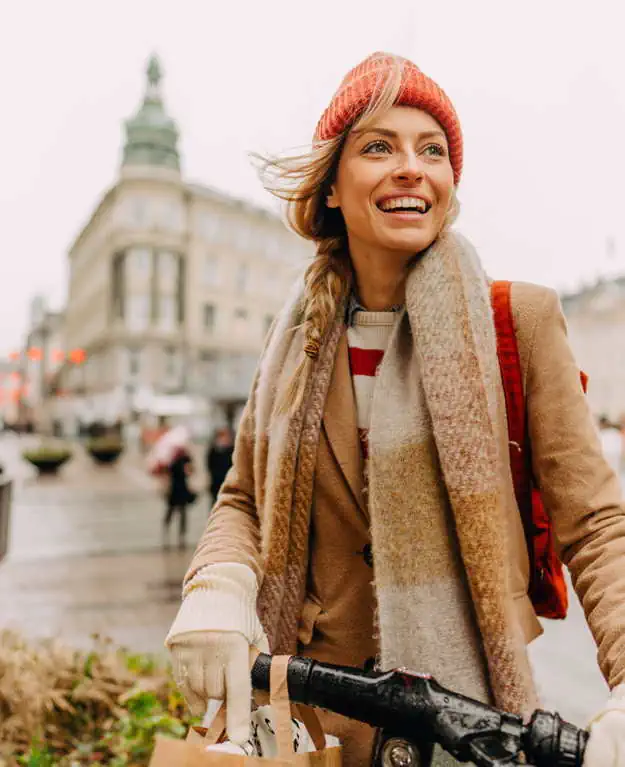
(376, 440)
(171, 460)
(611, 443)
(219, 459)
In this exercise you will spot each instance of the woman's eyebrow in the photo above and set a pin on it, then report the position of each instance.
(394, 134)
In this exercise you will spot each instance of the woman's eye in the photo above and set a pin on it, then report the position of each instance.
(376, 147)
(435, 150)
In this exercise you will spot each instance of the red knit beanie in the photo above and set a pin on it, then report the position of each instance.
(364, 82)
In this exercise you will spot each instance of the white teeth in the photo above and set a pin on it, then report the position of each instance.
(404, 203)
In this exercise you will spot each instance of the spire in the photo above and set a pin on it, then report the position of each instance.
(152, 136)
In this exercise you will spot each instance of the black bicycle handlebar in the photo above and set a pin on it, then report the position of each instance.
(414, 712)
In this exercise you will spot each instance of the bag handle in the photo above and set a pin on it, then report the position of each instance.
(313, 725)
(214, 733)
(281, 709)
(281, 705)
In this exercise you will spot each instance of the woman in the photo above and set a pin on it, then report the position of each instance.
(370, 511)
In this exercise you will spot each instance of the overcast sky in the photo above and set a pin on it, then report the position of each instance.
(539, 87)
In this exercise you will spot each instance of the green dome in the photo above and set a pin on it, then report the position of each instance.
(152, 136)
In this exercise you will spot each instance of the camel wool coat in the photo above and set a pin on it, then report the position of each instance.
(580, 491)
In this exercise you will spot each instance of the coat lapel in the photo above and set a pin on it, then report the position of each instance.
(341, 425)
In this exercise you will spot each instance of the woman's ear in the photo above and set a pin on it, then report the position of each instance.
(332, 200)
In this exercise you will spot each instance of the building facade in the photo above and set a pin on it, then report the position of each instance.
(38, 363)
(11, 391)
(596, 323)
(172, 288)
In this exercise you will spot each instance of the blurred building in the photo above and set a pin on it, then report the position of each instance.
(172, 287)
(10, 392)
(596, 322)
(38, 363)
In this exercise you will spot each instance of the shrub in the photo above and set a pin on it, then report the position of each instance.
(68, 708)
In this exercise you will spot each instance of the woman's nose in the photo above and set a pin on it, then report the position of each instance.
(409, 168)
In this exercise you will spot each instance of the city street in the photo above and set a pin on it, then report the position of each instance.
(86, 557)
(86, 552)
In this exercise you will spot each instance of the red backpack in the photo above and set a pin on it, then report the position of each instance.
(547, 589)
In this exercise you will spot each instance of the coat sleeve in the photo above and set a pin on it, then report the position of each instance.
(580, 490)
(232, 533)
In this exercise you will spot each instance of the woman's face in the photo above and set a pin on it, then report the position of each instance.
(394, 184)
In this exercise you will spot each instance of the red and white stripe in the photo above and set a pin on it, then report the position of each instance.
(367, 339)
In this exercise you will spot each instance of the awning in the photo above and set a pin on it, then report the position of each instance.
(170, 405)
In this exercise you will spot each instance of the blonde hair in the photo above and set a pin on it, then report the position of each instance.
(304, 182)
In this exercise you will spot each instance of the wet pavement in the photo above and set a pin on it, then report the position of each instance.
(86, 552)
(86, 557)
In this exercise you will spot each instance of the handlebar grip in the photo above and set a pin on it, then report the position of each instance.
(554, 742)
(297, 679)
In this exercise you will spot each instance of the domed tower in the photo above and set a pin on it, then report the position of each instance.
(151, 135)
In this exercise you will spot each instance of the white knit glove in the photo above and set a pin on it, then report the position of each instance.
(606, 745)
(210, 642)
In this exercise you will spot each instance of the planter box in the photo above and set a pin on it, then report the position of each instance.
(104, 456)
(48, 465)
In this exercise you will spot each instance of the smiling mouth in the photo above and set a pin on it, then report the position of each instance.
(404, 205)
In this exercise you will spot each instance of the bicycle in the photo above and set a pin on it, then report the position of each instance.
(413, 712)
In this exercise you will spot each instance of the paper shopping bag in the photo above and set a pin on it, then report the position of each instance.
(276, 738)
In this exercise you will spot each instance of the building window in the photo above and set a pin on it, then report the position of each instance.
(272, 284)
(210, 271)
(138, 316)
(167, 313)
(118, 289)
(181, 289)
(172, 365)
(140, 211)
(209, 317)
(167, 268)
(242, 278)
(242, 236)
(141, 261)
(172, 216)
(210, 226)
(134, 363)
(240, 315)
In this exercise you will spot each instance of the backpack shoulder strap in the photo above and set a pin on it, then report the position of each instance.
(512, 379)
(509, 362)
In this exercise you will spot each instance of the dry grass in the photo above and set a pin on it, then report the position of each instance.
(60, 706)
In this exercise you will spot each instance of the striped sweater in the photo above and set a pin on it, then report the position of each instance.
(367, 337)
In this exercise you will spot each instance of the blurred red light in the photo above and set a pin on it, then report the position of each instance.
(77, 356)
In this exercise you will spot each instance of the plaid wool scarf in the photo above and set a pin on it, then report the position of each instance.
(435, 483)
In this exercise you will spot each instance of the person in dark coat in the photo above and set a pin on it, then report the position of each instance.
(219, 459)
(179, 495)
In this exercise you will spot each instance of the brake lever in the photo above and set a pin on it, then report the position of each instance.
(487, 750)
